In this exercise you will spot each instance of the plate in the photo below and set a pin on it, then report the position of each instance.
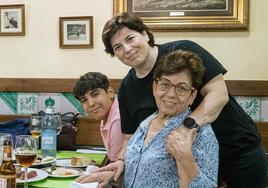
(67, 163)
(41, 174)
(44, 162)
(41, 163)
(75, 172)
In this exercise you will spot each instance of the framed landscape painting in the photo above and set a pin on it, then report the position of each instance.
(188, 15)
(12, 20)
(76, 32)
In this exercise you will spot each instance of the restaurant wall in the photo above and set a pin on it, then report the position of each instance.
(37, 54)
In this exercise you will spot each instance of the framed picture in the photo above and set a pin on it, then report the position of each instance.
(12, 20)
(76, 32)
(188, 15)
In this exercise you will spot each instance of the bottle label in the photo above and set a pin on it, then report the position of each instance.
(34, 121)
(48, 140)
(7, 153)
(7, 181)
(3, 182)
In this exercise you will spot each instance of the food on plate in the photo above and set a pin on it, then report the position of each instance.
(47, 158)
(44, 159)
(21, 174)
(80, 160)
(64, 172)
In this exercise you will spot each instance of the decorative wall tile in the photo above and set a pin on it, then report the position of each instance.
(55, 96)
(251, 105)
(10, 99)
(4, 108)
(73, 102)
(27, 103)
(67, 105)
(264, 109)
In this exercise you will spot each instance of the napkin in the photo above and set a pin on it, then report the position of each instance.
(84, 185)
(89, 170)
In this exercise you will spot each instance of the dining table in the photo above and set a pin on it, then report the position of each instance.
(64, 182)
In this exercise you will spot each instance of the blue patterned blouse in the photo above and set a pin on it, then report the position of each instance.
(151, 166)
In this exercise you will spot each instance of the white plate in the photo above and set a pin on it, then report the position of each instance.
(67, 163)
(44, 162)
(76, 172)
(41, 174)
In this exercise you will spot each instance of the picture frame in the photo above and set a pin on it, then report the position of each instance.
(12, 20)
(76, 32)
(188, 15)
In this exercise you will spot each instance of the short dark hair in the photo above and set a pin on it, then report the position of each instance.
(179, 61)
(90, 81)
(120, 21)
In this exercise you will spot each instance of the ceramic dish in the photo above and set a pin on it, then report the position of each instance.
(61, 172)
(41, 174)
(44, 161)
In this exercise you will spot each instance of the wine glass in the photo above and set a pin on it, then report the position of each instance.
(57, 120)
(25, 152)
(35, 127)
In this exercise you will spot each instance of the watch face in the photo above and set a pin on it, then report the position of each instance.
(189, 122)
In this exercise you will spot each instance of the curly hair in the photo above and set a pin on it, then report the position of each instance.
(179, 61)
(90, 81)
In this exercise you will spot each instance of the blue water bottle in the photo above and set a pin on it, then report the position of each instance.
(48, 132)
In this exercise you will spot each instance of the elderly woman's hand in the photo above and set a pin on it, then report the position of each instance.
(102, 177)
(179, 143)
(118, 167)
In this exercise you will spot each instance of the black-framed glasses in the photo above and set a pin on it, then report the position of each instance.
(181, 89)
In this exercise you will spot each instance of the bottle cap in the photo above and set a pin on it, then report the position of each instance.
(49, 102)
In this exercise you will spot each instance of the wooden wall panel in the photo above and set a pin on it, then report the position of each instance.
(248, 87)
(263, 129)
(45, 85)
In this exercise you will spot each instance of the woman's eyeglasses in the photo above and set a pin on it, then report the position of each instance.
(181, 89)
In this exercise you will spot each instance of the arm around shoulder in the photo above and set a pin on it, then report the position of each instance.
(215, 96)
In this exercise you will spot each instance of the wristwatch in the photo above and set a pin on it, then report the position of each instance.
(190, 123)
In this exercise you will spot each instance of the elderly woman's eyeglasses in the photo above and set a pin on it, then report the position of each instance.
(181, 89)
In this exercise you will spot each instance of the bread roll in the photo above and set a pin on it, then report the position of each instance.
(80, 160)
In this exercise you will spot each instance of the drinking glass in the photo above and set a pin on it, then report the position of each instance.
(35, 127)
(25, 152)
(57, 119)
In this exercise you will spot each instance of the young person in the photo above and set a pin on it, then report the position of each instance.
(242, 161)
(98, 100)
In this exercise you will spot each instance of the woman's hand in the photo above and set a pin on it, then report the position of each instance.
(102, 177)
(179, 143)
(117, 167)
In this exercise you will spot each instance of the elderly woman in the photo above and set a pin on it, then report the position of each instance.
(159, 154)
